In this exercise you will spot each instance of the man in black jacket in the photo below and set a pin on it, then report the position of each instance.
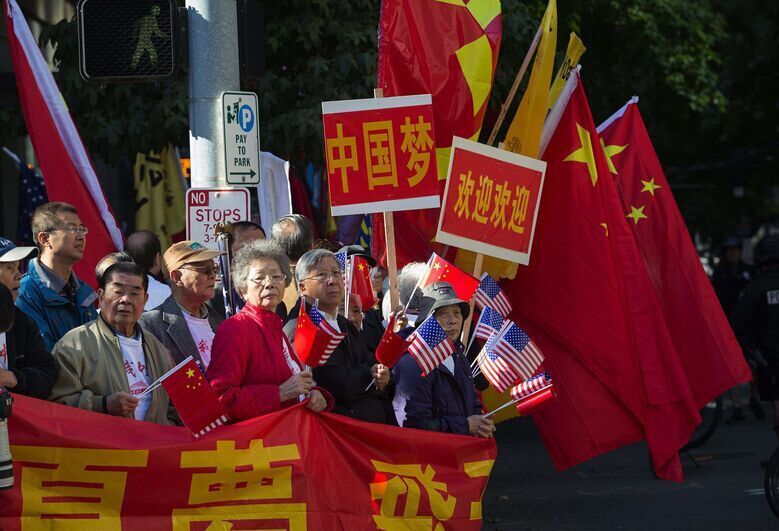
(26, 367)
(350, 369)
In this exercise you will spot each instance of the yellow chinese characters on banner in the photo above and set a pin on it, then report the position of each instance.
(491, 201)
(380, 155)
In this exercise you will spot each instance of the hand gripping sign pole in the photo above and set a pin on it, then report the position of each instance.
(389, 239)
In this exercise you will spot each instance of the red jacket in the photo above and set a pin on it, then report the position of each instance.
(248, 365)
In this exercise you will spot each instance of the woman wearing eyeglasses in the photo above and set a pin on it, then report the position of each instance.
(254, 369)
(185, 324)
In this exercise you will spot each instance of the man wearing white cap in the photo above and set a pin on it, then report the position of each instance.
(26, 366)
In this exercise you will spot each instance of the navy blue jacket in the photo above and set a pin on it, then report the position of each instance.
(440, 401)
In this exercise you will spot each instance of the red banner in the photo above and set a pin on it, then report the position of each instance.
(380, 154)
(491, 201)
(292, 469)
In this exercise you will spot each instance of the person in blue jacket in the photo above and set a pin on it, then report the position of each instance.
(445, 400)
(50, 293)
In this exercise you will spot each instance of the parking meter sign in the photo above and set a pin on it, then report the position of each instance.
(208, 207)
(241, 128)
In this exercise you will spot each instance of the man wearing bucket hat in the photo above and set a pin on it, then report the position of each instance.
(26, 366)
(185, 324)
(445, 399)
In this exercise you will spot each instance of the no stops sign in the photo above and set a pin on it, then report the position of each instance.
(207, 207)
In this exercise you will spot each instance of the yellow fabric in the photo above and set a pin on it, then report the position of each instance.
(524, 134)
(159, 190)
(572, 55)
(475, 60)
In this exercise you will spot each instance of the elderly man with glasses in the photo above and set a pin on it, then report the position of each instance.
(50, 293)
(349, 371)
(185, 323)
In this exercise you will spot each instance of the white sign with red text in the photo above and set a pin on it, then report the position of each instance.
(207, 207)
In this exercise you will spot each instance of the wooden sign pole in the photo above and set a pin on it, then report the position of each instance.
(389, 241)
(467, 324)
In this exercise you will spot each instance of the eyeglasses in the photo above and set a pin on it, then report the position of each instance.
(276, 278)
(206, 269)
(81, 229)
(322, 277)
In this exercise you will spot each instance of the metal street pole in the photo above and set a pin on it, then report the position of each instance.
(213, 68)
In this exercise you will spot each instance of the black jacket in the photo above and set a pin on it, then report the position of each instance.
(33, 365)
(346, 375)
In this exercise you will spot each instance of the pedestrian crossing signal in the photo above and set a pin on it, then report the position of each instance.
(121, 40)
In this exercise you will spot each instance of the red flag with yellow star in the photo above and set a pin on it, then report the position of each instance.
(588, 303)
(360, 281)
(449, 50)
(195, 401)
(709, 352)
(439, 270)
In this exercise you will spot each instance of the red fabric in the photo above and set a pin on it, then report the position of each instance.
(709, 352)
(417, 45)
(361, 282)
(442, 271)
(60, 174)
(587, 301)
(392, 346)
(248, 365)
(195, 400)
(292, 469)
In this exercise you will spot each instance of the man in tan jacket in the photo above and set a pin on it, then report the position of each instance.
(107, 364)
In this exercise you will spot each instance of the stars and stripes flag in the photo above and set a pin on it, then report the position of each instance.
(533, 393)
(489, 323)
(429, 345)
(489, 295)
(531, 386)
(342, 259)
(508, 357)
(315, 339)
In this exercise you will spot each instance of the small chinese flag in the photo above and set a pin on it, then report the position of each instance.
(314, 339)
(361, 282)
(392, 346)
(195, 400)
(442, 271)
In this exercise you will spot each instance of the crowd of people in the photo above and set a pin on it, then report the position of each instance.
(62, 341)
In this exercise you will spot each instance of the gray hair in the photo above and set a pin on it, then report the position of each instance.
(257, 250)
(295, 235)
(408, 278)
(308, 261)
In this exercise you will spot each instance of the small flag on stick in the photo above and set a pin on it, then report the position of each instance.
(315, 339)
(429, 345)
(489, 295)
(392, 346)
(439, 270)
(196, 402)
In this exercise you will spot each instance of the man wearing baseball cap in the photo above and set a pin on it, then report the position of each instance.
(185, 323)
(26, 366)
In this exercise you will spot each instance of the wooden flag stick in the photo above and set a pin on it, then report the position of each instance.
(389, 240)
(510, 98)
(467, 324)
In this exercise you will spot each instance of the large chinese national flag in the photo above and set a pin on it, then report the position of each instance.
(447, 49)
(65, 165)
(588, 303)
(709, 353)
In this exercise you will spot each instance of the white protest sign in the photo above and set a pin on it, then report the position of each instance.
(241, 129)
(206, 207)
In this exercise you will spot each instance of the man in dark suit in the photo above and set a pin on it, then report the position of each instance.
(185, 324)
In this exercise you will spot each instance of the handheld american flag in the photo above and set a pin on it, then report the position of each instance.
(429, 345)
(509, 356)
(490, 322)
(532, 393)
(342, 258)
(489, 295)
(315, 338)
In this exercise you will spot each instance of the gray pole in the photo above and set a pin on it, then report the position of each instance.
(213, 68)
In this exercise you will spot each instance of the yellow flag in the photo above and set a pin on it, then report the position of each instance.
(159, 194)
(524, 134)
(572, 55)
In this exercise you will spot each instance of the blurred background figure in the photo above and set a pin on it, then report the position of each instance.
(145, 249)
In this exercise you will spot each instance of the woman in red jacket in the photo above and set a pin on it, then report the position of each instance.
(254, 369)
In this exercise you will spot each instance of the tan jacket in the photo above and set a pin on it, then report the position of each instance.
(92, 366)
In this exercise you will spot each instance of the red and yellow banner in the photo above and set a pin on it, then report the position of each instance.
(491, 201)
(293, 469)
(380, 154)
